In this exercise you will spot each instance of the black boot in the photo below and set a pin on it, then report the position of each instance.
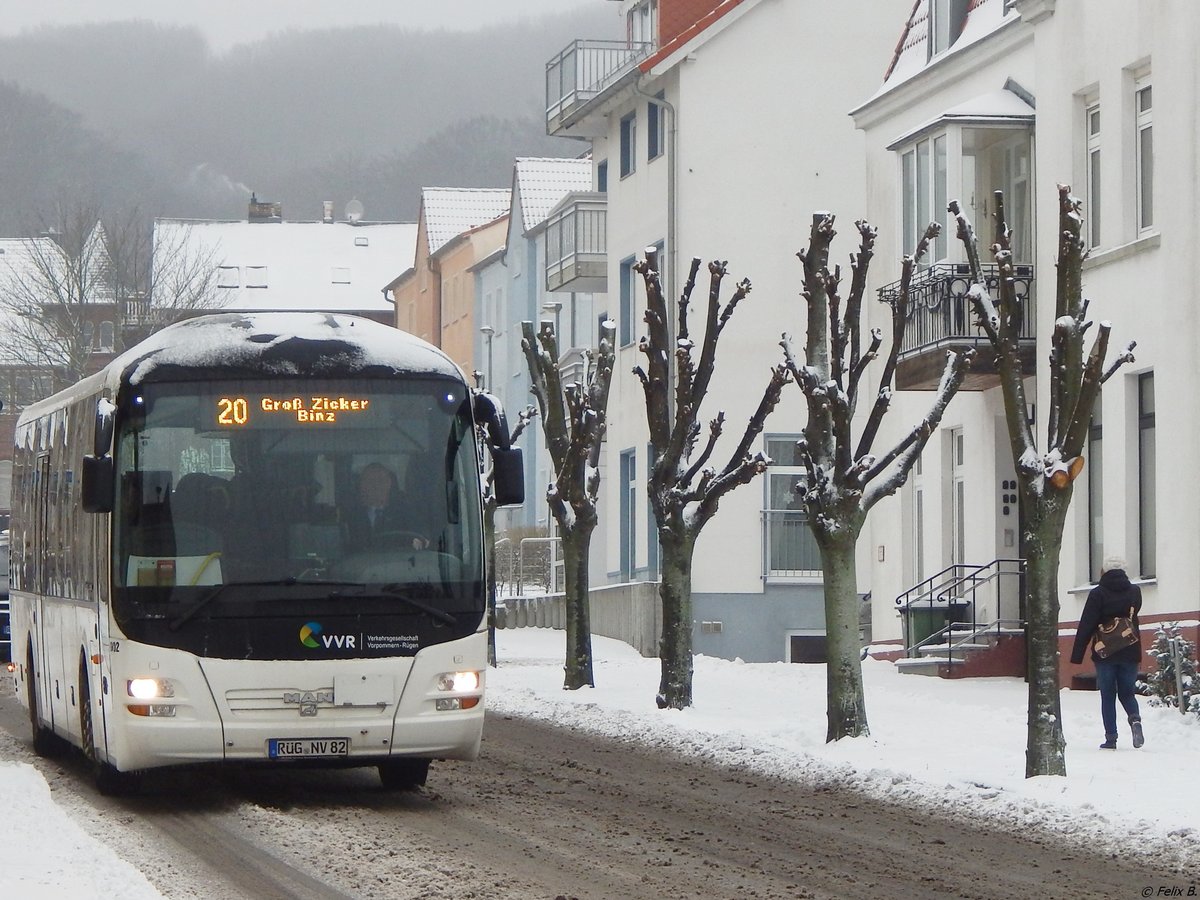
(1135, 726)
(1110, 742)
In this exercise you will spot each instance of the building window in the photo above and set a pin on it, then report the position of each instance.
(791, 549)
(628, 304)
(1145, 155)
(1092, 212)
(946, 19)
(642, 22)
(229, 277)
(107, 333)
(602, 176)
(361, 241)
(256, 276)
(1095, 470)
(923, 169)
(89, 335)
(340, 274)
(655, 122)
(628, 144)
(628, 488)
(1147, 513)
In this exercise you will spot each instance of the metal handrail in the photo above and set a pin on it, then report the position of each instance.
(962, 582)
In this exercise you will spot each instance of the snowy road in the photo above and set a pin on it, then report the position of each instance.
(550, 812)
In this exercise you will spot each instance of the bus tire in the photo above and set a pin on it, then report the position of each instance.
(45, 742)
(109, 780)
(403, 774)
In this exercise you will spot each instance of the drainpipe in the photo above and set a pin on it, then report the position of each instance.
(668, 275)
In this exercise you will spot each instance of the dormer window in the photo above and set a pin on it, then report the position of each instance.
(946, 20)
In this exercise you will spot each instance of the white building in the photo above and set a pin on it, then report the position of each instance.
(716, 129)
(266, 263)
(1021, 96)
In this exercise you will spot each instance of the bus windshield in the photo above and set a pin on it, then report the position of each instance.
(273, 492)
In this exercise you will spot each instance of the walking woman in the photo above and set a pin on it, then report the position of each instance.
(1113, 596)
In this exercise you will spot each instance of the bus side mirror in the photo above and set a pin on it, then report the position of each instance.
(96, 485)
(508, 476)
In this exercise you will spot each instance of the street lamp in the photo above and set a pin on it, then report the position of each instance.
(488, 332)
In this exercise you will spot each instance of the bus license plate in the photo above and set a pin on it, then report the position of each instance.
(292, 748)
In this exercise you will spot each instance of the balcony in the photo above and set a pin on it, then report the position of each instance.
(580, 75)
(940, 319)
(576, 248)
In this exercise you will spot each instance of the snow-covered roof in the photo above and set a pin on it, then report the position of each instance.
(27, 261)
(997, 106)
(541, 182)
(912, 52)
(333, 266)
(450, 212)
(283, 343)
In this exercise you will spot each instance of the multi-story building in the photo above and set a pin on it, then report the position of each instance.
(267, 263)
(434, 296)
(717, 127)
(1019, 97)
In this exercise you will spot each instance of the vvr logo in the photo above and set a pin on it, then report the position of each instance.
(311, 637)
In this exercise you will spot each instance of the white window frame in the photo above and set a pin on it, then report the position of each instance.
(924, 185)
(1092, 165)
(1143, 145)
(229, 277)
(794, 473)
(256, 277)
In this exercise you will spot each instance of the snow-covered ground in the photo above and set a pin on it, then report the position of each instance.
(952, 747)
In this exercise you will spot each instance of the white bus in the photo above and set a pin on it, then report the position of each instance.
(190, 581)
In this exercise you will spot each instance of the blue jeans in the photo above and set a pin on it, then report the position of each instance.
(1116, 681)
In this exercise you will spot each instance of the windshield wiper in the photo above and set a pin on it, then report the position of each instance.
(400, 592)
(205, 599)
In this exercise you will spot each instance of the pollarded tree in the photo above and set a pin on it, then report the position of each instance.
(573, 421)
(1045, 478)
(844, 478)
(684, 490)
(490, 501)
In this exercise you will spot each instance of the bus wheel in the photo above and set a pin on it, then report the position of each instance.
(109, 781)
(403, 774)
(45, 742)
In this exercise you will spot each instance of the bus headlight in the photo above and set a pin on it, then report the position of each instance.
(150, 688)
(458, 681)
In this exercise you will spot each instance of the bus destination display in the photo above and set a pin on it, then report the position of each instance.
(268, 411)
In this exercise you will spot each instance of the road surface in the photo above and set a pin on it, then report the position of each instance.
(549, 813)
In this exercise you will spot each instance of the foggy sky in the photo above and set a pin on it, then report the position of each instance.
(228, 22)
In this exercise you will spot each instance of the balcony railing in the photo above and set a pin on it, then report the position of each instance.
(582, 72)
(576, 244)
(791, 550)
(941, 316)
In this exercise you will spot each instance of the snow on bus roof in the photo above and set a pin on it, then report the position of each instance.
(281, 343)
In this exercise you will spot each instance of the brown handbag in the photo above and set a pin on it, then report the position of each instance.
(1115, 634)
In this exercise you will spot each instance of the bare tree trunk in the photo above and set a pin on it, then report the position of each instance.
(1045, 751)
(675, 649)
(577, 671)
(846, 709)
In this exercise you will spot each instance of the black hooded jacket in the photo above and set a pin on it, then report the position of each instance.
(1112, 597)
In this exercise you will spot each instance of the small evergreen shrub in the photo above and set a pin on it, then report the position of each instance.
(1162, 685)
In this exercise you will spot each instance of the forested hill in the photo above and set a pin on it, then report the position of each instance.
(147, 115)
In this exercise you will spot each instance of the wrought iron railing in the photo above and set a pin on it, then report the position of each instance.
(940, 312)
(582, 71)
